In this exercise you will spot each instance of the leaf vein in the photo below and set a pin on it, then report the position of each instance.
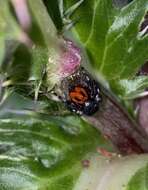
(93, 23)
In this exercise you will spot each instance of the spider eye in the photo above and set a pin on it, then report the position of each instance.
(81, 93)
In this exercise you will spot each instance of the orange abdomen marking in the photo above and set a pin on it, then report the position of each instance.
(79, 95)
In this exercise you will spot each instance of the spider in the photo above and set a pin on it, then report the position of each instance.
(81, 93)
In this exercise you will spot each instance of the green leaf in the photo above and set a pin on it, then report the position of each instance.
(20, 65)
(2, 49)
(39, 61)
(44, 154)
(48, 34)
(110, 36)
(43, 22)
(51, 153)
(53, 7)
(48, 44)
(15, 58)
(130, 89)
(126, 49)
(14, 105)
(140, 180)
(8, 26)
(9, 29)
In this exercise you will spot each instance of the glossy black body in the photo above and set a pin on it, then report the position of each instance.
(81, 78)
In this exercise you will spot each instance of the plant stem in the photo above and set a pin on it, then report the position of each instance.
(114, 123)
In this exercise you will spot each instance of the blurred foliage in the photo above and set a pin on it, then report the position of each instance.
(37, 154)
(35, 145)
(131, 89)
(115, 45)
(53, 8)
(139, 180)
(41, 145)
